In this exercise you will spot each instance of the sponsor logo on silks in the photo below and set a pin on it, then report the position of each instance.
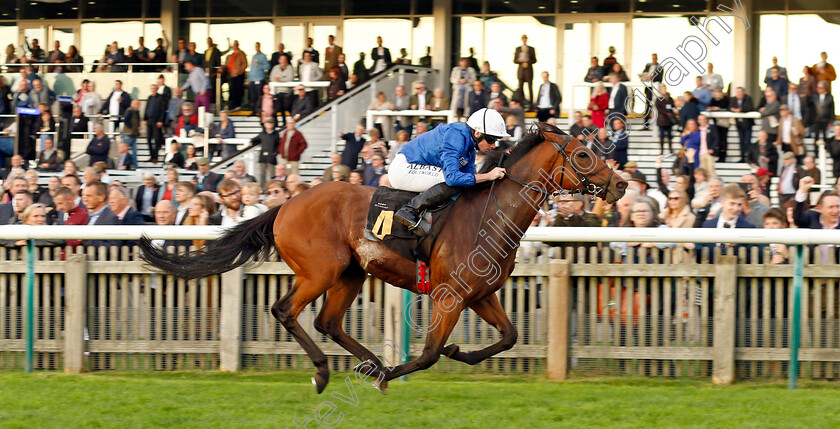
(462, 161)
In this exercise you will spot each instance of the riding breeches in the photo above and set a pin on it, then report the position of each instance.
(413, 177)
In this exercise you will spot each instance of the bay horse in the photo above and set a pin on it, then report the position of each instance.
(319, 234)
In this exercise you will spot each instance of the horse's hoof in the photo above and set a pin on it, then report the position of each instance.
(383, 387)
(450, 350)
(320, 382)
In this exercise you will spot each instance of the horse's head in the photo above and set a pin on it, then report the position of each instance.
(560, 162)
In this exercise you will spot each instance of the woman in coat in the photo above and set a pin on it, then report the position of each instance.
(665, 119)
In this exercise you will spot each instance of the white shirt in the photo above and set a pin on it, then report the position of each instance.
(722, 222)
(785, 182)
(421, 101)
(305, 72)
(544, 102)
(786, 125)
(380, 63)
(613, 92)
(114, 103)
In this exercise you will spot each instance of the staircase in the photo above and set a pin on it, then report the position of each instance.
(321, 128)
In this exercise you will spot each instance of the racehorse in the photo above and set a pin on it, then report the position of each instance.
(320, 235)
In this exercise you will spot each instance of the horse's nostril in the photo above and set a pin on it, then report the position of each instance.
(621, 185)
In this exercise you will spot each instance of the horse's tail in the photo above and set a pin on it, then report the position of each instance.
(237, 246)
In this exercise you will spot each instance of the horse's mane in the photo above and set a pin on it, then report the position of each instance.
(529, 141)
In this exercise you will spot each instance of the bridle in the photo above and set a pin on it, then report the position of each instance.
(587, 188)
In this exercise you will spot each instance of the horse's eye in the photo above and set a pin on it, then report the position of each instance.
(584, 155)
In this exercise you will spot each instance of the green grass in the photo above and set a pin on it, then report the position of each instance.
(274, 400)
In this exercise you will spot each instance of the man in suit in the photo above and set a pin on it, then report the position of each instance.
(154, 119)
(118, 203)
(213, 61)
(331, 54)
(525, 57)
(709, 144)
(381, 57)
(359, 69)
(742, 103)
(268, 140)
(653, 73)
(308, 71)
(791, 133)
(733, 199)
(78, 124)
(292, 145)
(618, 96)
(302, 105)
(9, 210)
(826, 215)
(126, 159)
(478, 98)
(336, 166)
(116, 104)
(230, 212)
(55, 56)
(281, 51)
(69, 212)
(548, 99)
(496, 92)
(825, 71)
(205, 180)
(184, 191)
(789, 178)
(239, 171)
(148, 194)
(99, 145)
(236, 64)
(316, 56)
(824, 108)
(375, 170)
(353, 144)
(165, 215)
(94, 197)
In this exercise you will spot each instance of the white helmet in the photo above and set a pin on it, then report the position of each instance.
(487, 121)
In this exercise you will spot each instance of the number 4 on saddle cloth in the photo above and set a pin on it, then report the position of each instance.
(381, 226)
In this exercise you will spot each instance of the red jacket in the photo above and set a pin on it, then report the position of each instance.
(76, 216)
(296, 146)
(193, 121)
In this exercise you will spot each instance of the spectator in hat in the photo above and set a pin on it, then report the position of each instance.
(206, 180)
(763, 175)
(789, 178)
(757, 203)
(571, 211)
(809, 168)
(791, 133)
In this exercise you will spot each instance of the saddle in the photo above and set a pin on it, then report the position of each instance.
(381, 226)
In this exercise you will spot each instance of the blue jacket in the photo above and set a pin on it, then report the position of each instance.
(448, 146)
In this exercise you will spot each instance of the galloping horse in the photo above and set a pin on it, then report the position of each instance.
(319, 234)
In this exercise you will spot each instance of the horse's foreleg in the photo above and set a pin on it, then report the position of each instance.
(434, 342)
(491, 310)
(330, 319)
(287, 309)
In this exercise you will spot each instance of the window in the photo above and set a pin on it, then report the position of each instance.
(501, 37)
(600, 6)
(247, 33)
(466, 7)
(96, 36)
(673, 6)
(360, 36)
(8, 9)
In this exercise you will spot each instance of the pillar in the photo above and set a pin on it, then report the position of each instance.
(230, 325)
(745, 53)
(442, 46)
(559, 310)
(169, 22)
(75, 288)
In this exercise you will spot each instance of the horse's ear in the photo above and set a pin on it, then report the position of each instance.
(545, 127)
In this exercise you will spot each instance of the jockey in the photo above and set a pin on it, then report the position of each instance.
(441, 163)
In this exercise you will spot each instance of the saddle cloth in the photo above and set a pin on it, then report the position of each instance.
(382, 227)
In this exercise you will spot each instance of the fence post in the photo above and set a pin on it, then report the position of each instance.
(559, 306)
(723, 352)
(231, 320)
(75, 302)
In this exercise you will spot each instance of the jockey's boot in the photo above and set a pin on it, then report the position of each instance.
(409, 214)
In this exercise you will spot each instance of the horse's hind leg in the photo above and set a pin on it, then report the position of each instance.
(287, 309)
(491, 310)
(330, 320)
